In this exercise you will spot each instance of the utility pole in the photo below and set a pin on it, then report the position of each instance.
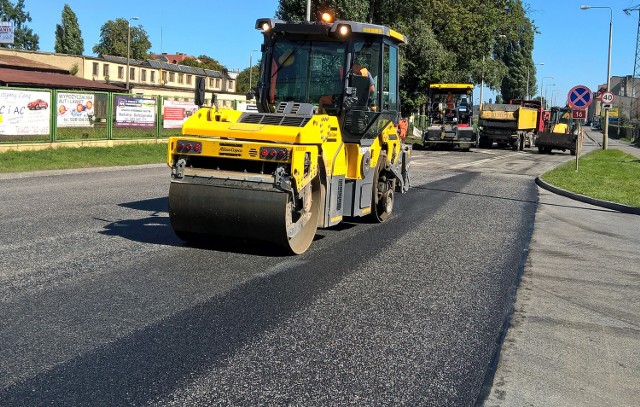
(129, 46)
(605, 135)
(634, 109)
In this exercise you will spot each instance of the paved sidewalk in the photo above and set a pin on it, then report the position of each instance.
(575, 333)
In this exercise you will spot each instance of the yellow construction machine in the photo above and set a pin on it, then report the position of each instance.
(450, 107)
(322, 146)
(562, 132)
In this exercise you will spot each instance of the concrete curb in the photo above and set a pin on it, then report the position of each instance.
(586, 199)
(49, 173)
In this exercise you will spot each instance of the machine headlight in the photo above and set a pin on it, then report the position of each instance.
(344, 30)
(327, 17)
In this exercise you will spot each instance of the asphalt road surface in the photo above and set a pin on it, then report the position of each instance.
(103, 305)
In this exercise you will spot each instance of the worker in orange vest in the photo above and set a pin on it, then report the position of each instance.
(403, 125)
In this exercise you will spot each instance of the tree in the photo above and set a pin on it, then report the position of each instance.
(204, 62)
(24, 38)
(449, 40)
(516, 52)
(210, 63)
(113, 40)
(242, 81)
(68, 35)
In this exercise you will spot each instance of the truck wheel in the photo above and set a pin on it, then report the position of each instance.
(383, 187)
(540, 150)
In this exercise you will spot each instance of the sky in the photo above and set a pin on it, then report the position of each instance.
(572, 43)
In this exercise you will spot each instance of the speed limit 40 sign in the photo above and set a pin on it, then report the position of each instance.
(607, 97)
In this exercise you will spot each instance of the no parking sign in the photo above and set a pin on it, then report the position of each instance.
(579, 97)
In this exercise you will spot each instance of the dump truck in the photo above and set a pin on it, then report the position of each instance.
(450, 115)
(514, 124)
(323, 145)
(561, 132)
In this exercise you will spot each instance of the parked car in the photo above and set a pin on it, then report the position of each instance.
(37, 104)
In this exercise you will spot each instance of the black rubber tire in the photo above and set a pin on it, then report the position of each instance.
(382, 197)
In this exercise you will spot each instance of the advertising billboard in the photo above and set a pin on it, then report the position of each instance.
(75, 109)
(24, 112)
(6, 32)
(176, 112)
(135, 111)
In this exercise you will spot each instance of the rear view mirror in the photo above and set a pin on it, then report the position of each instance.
(200, 91)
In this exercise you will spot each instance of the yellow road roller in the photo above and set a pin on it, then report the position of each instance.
(322, 145)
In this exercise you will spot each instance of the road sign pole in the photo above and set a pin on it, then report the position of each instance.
(605, 103)
(578, 144)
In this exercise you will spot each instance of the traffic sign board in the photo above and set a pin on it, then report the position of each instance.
(607, 97)
(579, 114)
(579, 97)
(606, 107)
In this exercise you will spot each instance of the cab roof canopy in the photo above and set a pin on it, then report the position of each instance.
(337, 29)
(457, 86)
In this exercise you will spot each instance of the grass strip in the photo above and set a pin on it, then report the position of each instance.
(82, 157)
(609, 175)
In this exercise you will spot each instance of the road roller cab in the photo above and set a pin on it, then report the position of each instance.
(322, 146)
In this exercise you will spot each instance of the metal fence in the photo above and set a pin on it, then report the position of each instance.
(48, 116)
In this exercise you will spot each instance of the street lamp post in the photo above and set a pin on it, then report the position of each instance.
(605, 137)
(129, 46)
(482, 75)
(546, 89)
(481, 84)
(553, 96)
(251, 67)
(542, 101)
(527, 92)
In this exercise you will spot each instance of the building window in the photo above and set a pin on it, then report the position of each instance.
(96, 69)
(120, 72)
(105, 70)
(153, 76)
(188, 79)
(217, 86)
(211, 82)
(172, 76)
(164, 78)
(132, 74)
(231, 84)
(143, 75)
(180, 78)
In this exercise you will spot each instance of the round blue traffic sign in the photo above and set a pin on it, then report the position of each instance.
(579, 97)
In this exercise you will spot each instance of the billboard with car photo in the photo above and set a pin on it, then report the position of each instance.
(24, 112)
